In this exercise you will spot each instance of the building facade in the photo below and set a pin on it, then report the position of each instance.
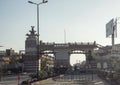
(115, 57)
(9, 60)
(102, 56)
(47, 63)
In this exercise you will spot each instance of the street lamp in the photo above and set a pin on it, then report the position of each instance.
(37, 4)
(37, 13)
(1, 68)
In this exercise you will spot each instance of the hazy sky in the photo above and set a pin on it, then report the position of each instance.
(83, 20)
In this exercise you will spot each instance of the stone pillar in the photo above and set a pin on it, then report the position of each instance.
(30, 57)
(62, 58)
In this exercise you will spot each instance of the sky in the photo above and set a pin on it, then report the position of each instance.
(82, 20)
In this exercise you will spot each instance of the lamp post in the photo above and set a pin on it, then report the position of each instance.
(37, 4)
(1, 67)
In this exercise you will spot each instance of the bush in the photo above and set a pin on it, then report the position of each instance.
(24, 83)
(33, 76)
(43, 74)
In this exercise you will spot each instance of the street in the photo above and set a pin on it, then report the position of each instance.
(13, 80)
(87, 79)
(83, 79)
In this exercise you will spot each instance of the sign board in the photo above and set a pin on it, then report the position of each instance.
(109, 28)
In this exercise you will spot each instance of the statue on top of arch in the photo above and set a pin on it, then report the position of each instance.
(32, 32)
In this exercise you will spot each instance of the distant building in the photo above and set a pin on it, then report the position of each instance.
(47, 62)
(2, 53)
(10, 52)
(102, 56)
(116, 51)
(8, 59)
(115, 57)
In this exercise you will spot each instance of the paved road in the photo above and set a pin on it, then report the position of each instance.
(12, 80)
(77, 80)
(62, 80)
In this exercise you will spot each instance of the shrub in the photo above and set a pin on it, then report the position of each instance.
(24, 83)
(43, 74)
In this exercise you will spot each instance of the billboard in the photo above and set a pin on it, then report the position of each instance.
(111, 27)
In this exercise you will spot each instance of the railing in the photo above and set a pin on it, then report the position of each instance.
(72, 45)
(67, 44)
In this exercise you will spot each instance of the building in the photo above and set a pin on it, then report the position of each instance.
(10, 52)
(47, 62)
(115, 57)
(9, 59)
(102, 56)
(116, 51)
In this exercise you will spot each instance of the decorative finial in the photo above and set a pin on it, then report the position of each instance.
(32, 27)
(32, 32)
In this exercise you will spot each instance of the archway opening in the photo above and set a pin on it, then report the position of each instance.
(77, 58)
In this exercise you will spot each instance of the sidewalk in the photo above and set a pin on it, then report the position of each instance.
(98, 81)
